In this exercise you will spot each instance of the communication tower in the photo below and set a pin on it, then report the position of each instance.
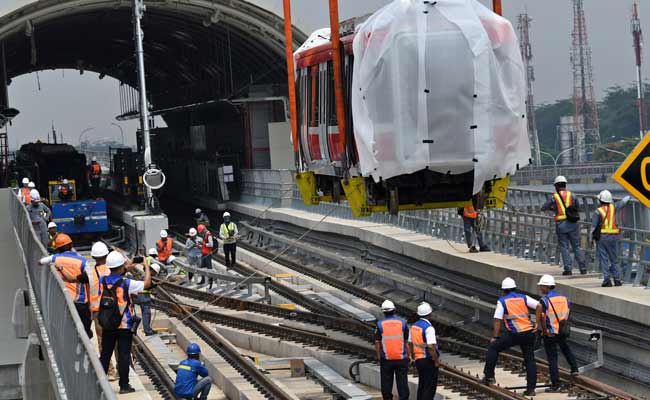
(637, 35)
(523, 27)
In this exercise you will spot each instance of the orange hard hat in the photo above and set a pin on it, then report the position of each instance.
(61, 240)
(200, 228)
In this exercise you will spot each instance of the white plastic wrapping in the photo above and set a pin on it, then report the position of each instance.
(441, 87)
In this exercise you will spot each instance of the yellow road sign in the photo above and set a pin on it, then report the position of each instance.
(634, 173)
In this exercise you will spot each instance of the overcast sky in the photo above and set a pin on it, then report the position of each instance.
(76, 102)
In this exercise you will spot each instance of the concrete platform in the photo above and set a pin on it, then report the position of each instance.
(12, 270)
(632, 303)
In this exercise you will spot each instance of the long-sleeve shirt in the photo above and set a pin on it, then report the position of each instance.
(186, 376)
(193, 247)
(39, 215)
(228, 233)
(596, 220)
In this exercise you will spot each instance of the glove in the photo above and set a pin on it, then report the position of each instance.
(626, 199)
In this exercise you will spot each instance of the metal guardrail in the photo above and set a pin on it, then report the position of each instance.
(585, 173)
(78, 373)
(520, 229)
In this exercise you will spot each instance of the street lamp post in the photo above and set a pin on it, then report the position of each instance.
(84, 131)
(121, 131)
(557, 158)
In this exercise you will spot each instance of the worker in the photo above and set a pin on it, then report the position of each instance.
(193, 251)
(164, 247)
(555, 308)
(40, 215)
(65, 191)
(391, 336)
(95, 176)
(117, 288)
(470, 217)
(143, 299)
(424, 351)
(512, 309)
(565, 204)
(51, 237)
(26, 196)
(23, 193)
(201, 218)
(207, 249)
(606, 233)
(70, 265)
(228, 233)
(187, 386)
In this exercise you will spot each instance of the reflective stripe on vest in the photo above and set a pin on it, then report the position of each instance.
(560, 211)
(72, 267)
(185, 367)
(608, 218)
(205, 250)
(123, 302)
(516, 316)
(392, 338)
(164, 251)
(94, 289)
(561, 306)
(419, 340)
(469, 212)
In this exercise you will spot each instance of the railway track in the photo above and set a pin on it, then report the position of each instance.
(156, 373)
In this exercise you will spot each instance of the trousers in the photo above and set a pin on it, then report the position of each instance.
(566, 238)
(99, 332)
(145, 310)
(551, 344)
(83, 309)
(525, 340)
(201, 390)
(427, 378)
(607, 248)
(123, 338)
(469, 225)
(397, 369)
(230, 252)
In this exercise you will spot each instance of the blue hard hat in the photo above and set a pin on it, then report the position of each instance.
(193, 349)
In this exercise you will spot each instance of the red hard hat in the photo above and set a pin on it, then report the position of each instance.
(200, 228)
(61, 240)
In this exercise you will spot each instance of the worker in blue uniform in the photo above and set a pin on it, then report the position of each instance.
(188, 386)
(605, 233)
(563, 202)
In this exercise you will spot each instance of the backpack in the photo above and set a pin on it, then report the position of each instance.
(109, 316)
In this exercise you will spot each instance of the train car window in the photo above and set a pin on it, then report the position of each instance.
(333, 136)
(313, 112)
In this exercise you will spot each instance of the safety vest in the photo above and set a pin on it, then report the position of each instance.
(560, 210)
(94, 289)
(392, 338)
(73, 265)
(205, 250)
(560, 305)
(25, 195)
(224, 230)
(419, 339)
(50, 244)
(470, 212)
(608, 219)
(516, 316)
(96, 170)
(164, 250)
(123, 298)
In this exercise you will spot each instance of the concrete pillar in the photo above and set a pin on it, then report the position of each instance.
(36, 382)
(20, 315)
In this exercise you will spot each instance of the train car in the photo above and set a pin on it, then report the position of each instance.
(47, 165)
(389, 158)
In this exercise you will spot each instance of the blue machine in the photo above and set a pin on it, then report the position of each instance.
(83, 216)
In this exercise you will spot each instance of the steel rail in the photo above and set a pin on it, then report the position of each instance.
(161, 380)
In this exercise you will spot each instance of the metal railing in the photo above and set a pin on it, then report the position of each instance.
(520, 229)
(585, 173)
(78, 373)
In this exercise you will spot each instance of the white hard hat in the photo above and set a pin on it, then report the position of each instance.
(192, 232)
(155, 267)
(226, 214)
(424, 309)
(99, 249)
(560, 179)
(605, 196)
(94, 158)
(546, 280)
(115, 259)
(25, 180)
(65, 181)
(508, 283)
(31, 184)
(51, 225)
(34, 195)
(163, 234)
(152, 252)
(387, 305)
(197, 211)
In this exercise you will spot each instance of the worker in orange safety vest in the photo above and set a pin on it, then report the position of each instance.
(606, 235)
(470, 216)
(391, 336)
(424, 351)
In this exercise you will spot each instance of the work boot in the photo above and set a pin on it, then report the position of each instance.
(567, 273)
(607, 283)
(484, 249)
(617, 282)
(530, 392)
(554, 388)
(202, 281)
(473, 249)
(583, 272)
(127, 389)
(488, 381)
(574, 372)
